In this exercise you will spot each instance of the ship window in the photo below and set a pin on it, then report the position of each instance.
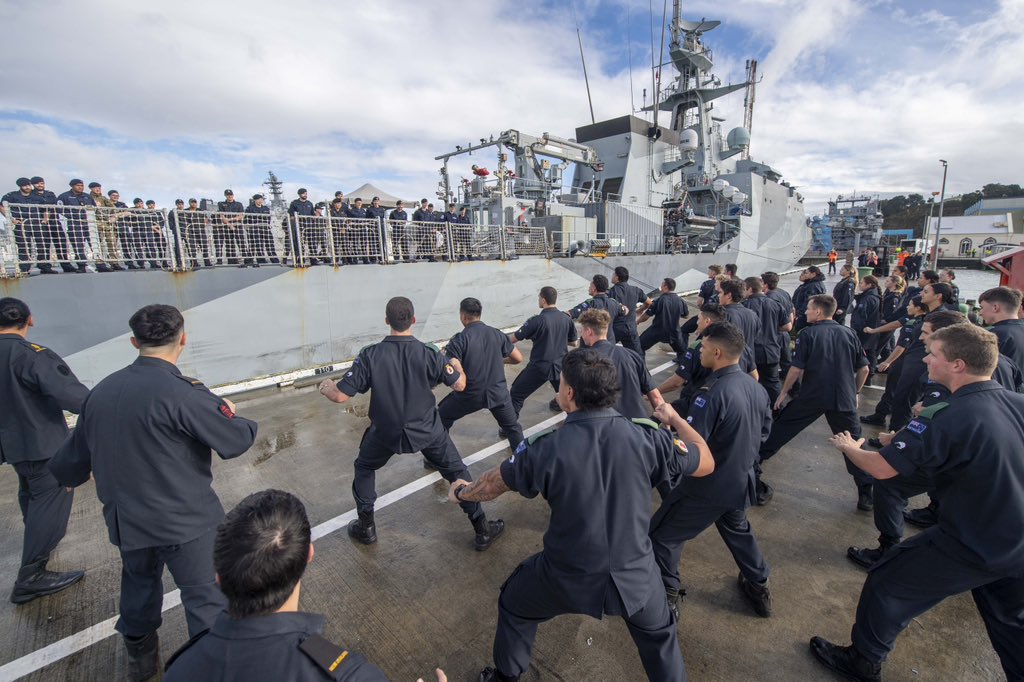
(989, 242)
(965, 246)
(943, 241)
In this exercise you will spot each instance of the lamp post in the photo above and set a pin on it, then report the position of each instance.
(938, 225)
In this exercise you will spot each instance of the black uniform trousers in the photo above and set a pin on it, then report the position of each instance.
(892, 379)
(45, 508)
(78, 235)
(197, 244)
(907, 392)
(768, 376)
(455, 406)
(916, 575)
(529, 380)
(801, 413)
(529, 597)
(785, 356)
(629, 337)
(373, 455)
(142, 586)
(890, 496)
(682, 518)
(653, 335)
(831, 267)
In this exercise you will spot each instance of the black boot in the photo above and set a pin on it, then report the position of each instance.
(143, 656)
(869, 557)
(865, 498)
(758, 594)
(922, 518)
(363, 529)
(486, 532)
(846, 661)
(873, 420)
(675, 600)
(489, 674)
(35, 581)
(764, 492)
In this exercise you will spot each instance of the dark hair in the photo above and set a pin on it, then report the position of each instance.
(900, 268)
(813, 268)
(770, 279)
(950, 273)
(931, 276)
(600, 283)
(824, 303)
(1005, 296)
(399, 313)
(727, 336)
(156, 325)
(471, 307)
(622, 273)
(730, 268)
(755, 284)
(873, 281)
(592, 377)
(669, 283)
(713, 312)
(549, 294)
(942, 290)
(941, 319)
(13, 313)
(916, 300)
(733, 288)
(261, 552)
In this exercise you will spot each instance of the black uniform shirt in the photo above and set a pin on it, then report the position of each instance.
(76, 216)
(253, 212)
(37, 386)
(377, 212)
(830, 355)
(629, 296)
(890, 304)
(910, 330)
(551, 331)
(972, 451)
(708, 293)
(843, 292)
(666, 311)
(868, 313)
(302, 207)
(635, 381)
(147, 431)
(804, 292)
(278, 646)
(1011, 339)
(601, 302)
(230, 207)
(357, 213)
(731, 412)
(402, 371)
(422, 215)
(597, 472)
(398, 215)
(19, 200)
(750, 324)
(771, 316)
(481, 349)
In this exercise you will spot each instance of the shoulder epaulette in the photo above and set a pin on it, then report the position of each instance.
(185, 647)
(649, 423)
(324, 653)
(194, 382)
(432, 347)
(694, 344)
(36, 347)
(930, 411)
(540, 434)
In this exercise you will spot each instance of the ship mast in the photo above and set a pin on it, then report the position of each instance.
(748, 102)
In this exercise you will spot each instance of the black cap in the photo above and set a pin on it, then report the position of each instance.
(93, 185)
(112, 192)
(192, 200)
(302, 190)
(137, 200)
(179, 201)
(228, 193)
(74, 182)
(36, 179)
(23, 181)
(375, 199)
(150, 203)
(321, 205)
(257, 196)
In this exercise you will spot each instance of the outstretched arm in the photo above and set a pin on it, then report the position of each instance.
(484, 489)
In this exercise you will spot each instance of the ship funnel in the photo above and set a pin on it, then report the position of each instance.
(688, 140)
(719, 184)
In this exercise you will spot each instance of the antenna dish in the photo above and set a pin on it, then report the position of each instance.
(698, 26)
(688, 140)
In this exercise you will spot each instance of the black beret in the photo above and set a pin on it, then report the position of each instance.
(36, 179)
(24, 181)
(137, 200)
(302, 190)
(257, 196)
(179, 201)
(74, 182)
(94, 184)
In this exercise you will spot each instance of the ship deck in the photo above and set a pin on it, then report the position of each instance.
(421, 597)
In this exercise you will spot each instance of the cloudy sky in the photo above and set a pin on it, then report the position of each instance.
(165, 100)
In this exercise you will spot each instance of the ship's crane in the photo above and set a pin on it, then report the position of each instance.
(534, 175)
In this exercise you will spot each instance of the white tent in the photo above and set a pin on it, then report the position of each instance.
(368, 191)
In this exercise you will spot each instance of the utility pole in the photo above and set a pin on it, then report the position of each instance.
(938, 225)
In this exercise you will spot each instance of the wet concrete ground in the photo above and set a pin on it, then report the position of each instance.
(421, 597)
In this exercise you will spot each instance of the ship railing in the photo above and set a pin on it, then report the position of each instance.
(84, 238)
(335, 240)
(225, 239)
(522, 240)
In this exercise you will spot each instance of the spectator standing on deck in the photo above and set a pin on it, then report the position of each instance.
(77, 220)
